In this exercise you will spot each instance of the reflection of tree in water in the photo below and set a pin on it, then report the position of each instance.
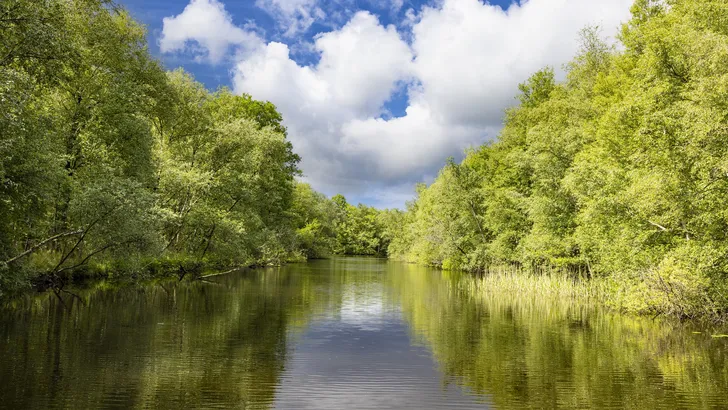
(523, 352)
(166, 345)
(225, 344)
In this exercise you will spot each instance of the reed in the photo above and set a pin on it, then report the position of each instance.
(550, 284)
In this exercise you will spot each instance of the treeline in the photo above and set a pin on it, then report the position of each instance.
(619, 172)
(335, 227)
(110, 165)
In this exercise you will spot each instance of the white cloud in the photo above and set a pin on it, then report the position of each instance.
(358, 70)
(362, 61)
(295, 16)
(471, 56)
(360, 66)
(460, 66)
(409, 146)
(205, 29)
(397, 5)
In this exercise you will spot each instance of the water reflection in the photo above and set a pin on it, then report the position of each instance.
(527, 353)
(359, 354)
(346, 333)
(168, 345)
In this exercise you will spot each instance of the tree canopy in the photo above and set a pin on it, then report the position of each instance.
(620, 171)
(109, 163)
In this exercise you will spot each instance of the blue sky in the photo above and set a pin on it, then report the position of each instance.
(376, 94)
(151, 13)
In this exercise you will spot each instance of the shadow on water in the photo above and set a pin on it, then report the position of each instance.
(352, 332)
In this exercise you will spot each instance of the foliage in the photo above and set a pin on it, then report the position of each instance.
(361, 229)
(314, 219)
(108, 161)
(618, 172)
(226, 182)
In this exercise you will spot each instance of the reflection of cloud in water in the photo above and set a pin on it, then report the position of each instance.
(365, 360)
(363, 306)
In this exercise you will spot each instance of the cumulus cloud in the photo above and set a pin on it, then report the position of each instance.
(206, 30)
(358, 70)
(471, 56)
(409, 146)
(295, 16)
(360, 66)
(459, 62)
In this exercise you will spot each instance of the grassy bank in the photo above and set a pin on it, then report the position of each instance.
(653, 293)
(648, 294)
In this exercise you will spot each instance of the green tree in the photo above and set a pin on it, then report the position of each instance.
(617, 172)
(77, 169)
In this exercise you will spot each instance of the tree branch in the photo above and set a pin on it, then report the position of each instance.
(662, 228)
(41, 243)
(83, 236)
(86, 259)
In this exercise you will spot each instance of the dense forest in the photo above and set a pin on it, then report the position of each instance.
(111, 166)
(616, 173)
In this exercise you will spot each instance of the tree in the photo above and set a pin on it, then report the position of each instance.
(618, 172)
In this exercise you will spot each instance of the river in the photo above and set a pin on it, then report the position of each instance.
(345, 333)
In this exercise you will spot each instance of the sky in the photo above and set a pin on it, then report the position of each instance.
(376, 94)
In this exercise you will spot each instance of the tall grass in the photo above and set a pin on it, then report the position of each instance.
(550, 284)
(627, 293)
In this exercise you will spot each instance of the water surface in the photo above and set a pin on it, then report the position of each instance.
(357, 333)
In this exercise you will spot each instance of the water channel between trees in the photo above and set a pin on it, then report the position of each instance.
(359, 333)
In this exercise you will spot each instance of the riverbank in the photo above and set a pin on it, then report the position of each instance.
(643, 295)
(649, 294)
(114, 271)
(639, 295)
